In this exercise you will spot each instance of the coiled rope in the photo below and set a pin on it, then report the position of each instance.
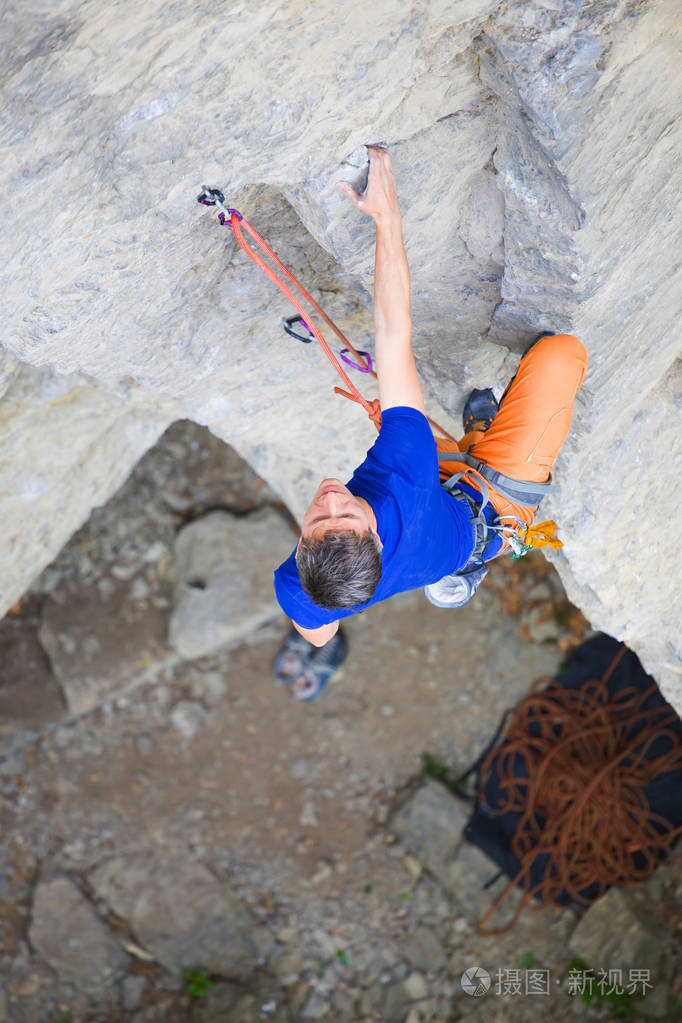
(580, 789)
(227, 215)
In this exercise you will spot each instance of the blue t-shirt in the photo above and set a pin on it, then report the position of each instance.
(426, 533)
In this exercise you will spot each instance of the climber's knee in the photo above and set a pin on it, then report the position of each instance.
(558, 355)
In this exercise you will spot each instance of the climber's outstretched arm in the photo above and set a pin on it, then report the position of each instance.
(398, 379)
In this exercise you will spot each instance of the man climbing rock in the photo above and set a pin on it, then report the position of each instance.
(411, 517)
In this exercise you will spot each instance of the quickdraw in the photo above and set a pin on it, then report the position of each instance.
(239, 224)
(287, 324)
(522, 538)
(542, 535)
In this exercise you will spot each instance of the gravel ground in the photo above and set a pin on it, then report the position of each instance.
(208, 763)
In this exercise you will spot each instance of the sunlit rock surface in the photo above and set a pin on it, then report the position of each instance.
(535, 150)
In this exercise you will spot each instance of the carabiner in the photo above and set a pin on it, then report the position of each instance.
(214, 197)
(210, 196)
(288, 321)
(356, 365)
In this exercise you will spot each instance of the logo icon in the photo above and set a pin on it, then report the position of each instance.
(475, 981)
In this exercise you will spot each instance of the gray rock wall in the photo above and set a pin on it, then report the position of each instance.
(535, 151)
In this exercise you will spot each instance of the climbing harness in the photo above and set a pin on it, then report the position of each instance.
(528, 495)
(520, 537)
(483, 530)
(239, 224)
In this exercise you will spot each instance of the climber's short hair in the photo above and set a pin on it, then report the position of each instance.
(341, 569)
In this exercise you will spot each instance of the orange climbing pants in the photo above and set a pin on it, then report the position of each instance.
(532, 423)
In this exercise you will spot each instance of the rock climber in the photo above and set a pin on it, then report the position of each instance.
(393, 526)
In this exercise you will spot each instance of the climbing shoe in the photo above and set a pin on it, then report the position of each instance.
(456, 590)
(480, 410)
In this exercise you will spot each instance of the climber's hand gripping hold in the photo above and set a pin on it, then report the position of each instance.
(380, 198)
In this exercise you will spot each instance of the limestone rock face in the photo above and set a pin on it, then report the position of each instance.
(535, 151)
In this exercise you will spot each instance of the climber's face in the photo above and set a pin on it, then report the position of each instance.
(334, 508)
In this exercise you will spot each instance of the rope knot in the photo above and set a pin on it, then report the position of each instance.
(372, 408)
(374, 412)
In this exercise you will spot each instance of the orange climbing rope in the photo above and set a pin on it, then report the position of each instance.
(213, 197)
(580, 790)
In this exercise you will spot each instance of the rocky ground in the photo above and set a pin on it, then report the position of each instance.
(184, 841)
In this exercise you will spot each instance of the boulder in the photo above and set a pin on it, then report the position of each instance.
(67, 933)
(96, 646)
(430, 824)
(180, 913)
(223, 578)
(616, 933)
